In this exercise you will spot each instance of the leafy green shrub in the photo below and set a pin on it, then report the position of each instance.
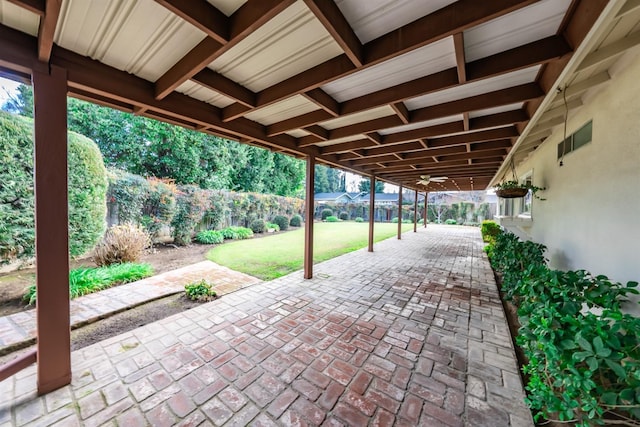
(489, 230)
(120, 244)
(282, 221)
(126, 195)
(209, 237)
(451, 222)
(216, 211)
(326, 213)
(87, 189)
(344, 216)
(159, 206)
(583, 352)
(359, 219)
(257, 226)
(332, 219)
(394, 220)
(296, 221)
(84, 281)
(87, 183)
(272, 226)
(236, 233)
(200, 291)
(192, 203)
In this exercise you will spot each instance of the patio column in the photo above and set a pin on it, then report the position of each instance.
(308, 218)
(415, 214)
(52, 240)
(372, 201)
(400, 212)
(426, 194)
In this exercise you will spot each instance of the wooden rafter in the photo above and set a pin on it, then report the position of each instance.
(440, 24)
(219, 83)
(334, 21)
(250, 16)
(47, 28)
(402, 112)
(201, 15)
(33, 6)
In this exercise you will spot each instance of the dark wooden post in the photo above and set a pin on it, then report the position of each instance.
(415, 214)
(51, 219)
(400, 213)
(426, 195)
(372, 201)
(308, 218)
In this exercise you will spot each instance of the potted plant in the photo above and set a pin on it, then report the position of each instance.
(513, 189)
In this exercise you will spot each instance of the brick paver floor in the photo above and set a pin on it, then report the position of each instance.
(19, 330)
(412, 334)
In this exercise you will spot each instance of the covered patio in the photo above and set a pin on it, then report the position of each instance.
(412, 334)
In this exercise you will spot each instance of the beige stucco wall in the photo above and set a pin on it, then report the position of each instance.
(591, 218)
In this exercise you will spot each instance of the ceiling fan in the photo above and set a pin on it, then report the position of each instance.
(426, 179)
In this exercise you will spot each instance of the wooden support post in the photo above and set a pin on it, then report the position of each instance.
(426, 196)
(308, 218)
(372, 204)
(400, 213)
(51, 220)
(415, 214)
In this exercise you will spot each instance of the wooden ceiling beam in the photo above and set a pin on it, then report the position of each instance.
(336, 24)
(298, 122)
(479, 136)
(443, 23)
(449, 171)
(497, 98)
(347, 146)
(227, 87)
(249, 17)
(324, 101)
(47, 29)
(402, 112)
(34, 6)
(318, 131)
(366, 127)
(201, 15)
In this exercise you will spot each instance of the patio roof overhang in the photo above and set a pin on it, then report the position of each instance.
(394, 90)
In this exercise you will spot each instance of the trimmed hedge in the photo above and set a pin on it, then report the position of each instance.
(296, 221)
(282, 221)
(87, 190)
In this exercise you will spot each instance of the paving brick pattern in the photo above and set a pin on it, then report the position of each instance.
(19, 329)
(412, 334)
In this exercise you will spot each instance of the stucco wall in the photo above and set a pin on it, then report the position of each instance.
(591, 218)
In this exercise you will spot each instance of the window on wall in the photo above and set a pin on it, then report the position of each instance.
(525, 203)
(576, 140)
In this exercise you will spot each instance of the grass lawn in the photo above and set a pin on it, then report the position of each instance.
(274, 256)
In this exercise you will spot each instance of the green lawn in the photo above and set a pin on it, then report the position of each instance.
(274, 256)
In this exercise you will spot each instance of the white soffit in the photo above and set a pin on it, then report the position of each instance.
(282, 110)
(495, 110)
(289, 44)
(371, 19)
(420, 125)
(202, 93)
(363, 116)
(226, 6)
(298, 133)
(517, 28)
(504, 81)
(341, 140)
(427, 60)
(19, 18)
(142, 37)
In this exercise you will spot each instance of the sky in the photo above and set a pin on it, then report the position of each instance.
(7, 87)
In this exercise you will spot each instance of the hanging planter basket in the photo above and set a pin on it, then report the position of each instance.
(512, 193)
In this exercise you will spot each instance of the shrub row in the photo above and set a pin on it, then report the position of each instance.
(583, 351)
(158, 204)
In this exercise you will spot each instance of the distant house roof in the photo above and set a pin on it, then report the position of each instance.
(335, 197)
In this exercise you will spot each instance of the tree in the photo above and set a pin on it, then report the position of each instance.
(148, 147)
(365, 185)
